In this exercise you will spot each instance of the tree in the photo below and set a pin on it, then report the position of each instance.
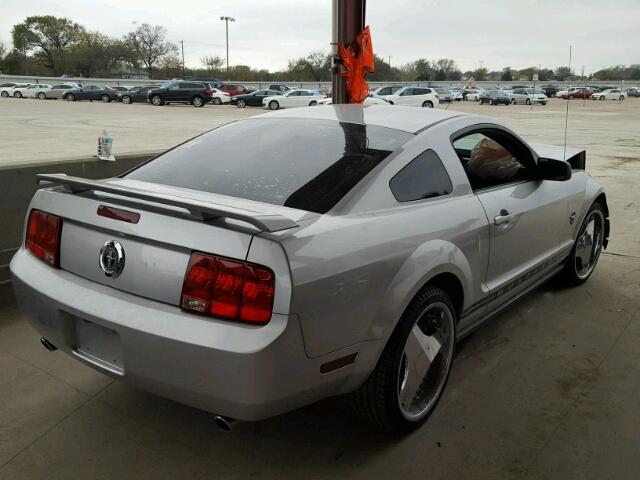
(423, 69)
(446, 69)
(46, 37)
(479, 74)
(506, 76)
(95, 55)
(314, 67)
(148, 45)
(561, 73)
(212, 62)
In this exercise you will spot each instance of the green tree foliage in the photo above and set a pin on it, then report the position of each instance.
(479, 74)
(561, 73)
(314, 67)
(507, 75)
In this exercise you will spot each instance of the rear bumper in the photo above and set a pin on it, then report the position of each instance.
(240, 371)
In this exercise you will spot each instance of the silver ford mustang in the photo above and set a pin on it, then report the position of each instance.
(306, 253)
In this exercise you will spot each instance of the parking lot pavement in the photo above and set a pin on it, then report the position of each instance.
(547, 389)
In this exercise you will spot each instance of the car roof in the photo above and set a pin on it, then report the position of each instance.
(408, 119)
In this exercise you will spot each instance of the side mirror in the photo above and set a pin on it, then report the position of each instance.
(556, 170)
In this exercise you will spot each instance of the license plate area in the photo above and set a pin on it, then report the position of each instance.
(99, 346)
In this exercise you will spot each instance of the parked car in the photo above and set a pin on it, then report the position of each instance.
(415, 97)
(293, 98)
(58, 91)
(444, 95)
(92, 92)
(576, 92)
(473, 91)
(30, 91)
(235, 89)
(508, 90)
(6, 85)
(527, 96)
(279, 87)
(195, 93)
(10, 91)
(120, 89)
(549, 90)
(611, 94)
(218, 97)
(253, 99)
(475, 96)
(494, 97)
(633, 92)
(136, 94)
(389, 90)
(326, 279)
(372, 99)
(457, 94)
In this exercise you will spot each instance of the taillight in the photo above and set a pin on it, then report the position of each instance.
(43, 236)
(228, 289)
(208, 91)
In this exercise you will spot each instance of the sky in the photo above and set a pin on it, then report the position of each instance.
(266, 34)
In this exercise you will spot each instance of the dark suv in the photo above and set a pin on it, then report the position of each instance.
(195, 93)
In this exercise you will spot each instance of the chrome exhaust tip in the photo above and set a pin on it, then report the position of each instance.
(48, 345)
(224, 423)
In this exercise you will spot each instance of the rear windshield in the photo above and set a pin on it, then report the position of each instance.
(298, 163)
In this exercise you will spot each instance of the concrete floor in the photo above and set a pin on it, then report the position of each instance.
(548, 389)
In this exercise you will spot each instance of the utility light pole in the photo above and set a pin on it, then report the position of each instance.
(389, 62)
(182, 45)
(227, 20)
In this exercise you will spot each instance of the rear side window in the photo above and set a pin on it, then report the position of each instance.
(424, 177)
(311, 172)
(191, 85)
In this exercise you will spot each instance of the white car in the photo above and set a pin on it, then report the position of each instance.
(293, 98)
(388, 90)
(372, 99)
(457, 94)
(415, 97)
(11, 91)
(38, 90)
(527, 96)
(611, 94)
(474, 95)
(218, 97)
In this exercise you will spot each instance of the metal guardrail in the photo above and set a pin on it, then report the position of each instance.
(310, 85)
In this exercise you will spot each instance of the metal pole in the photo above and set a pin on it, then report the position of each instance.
(182, 45)
(226, 22)
(348, 22)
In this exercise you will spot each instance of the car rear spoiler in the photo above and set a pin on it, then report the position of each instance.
(576, 157)
(263, 220)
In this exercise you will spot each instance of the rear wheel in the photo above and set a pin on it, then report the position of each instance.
(414, 367)
(621, 97)
(126, 99)
(156, 100)
(427, 104)
(528, 102)
(587, 247)
(197, 102)
(17, 95)
(274, 105)
(313, 103)
(241, 103)
(105, 98)
(70, 97)
(217, 101)
(513, 101)
(42, 96)
(601, 97)
(4, 94)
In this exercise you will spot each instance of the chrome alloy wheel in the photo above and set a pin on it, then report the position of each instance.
(589, 244)
(425, 362)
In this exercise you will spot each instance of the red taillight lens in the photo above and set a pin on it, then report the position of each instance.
(228, 289)
(43, 236)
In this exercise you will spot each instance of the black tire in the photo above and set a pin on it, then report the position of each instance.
(274, 105)
(197, 101)
(126, 99)
(17, 95)
(216, 101)
(513, 101)
(543, 103)
(156, 100)
(427, 104)
(569, 273)
(601, 97)
(241, 103)
(528, 102)
(621, 97)
(105, 98)
(377, 400)
(4, 94)
(42, 96)
(313, 103)
(70, 97)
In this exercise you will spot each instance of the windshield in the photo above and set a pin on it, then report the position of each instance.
(305, 164)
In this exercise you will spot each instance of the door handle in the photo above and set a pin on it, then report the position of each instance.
(504, 218)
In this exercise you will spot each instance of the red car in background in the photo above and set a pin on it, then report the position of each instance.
(577, 92)
(234, 89)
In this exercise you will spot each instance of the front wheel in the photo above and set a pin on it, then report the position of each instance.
(4, 94)
(273, 105)
(42, 96)
(587, 247)
(313, 103)
(70, 97)
(105, 98)
(427, 104)
(126, 99)
(528, 102)
(621, 97)
(241, 103)
(17, 95)
(156, 100)
(513, 101)
(217, 101)
(414, 367)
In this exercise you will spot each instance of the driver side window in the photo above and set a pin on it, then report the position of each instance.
(491, 158)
